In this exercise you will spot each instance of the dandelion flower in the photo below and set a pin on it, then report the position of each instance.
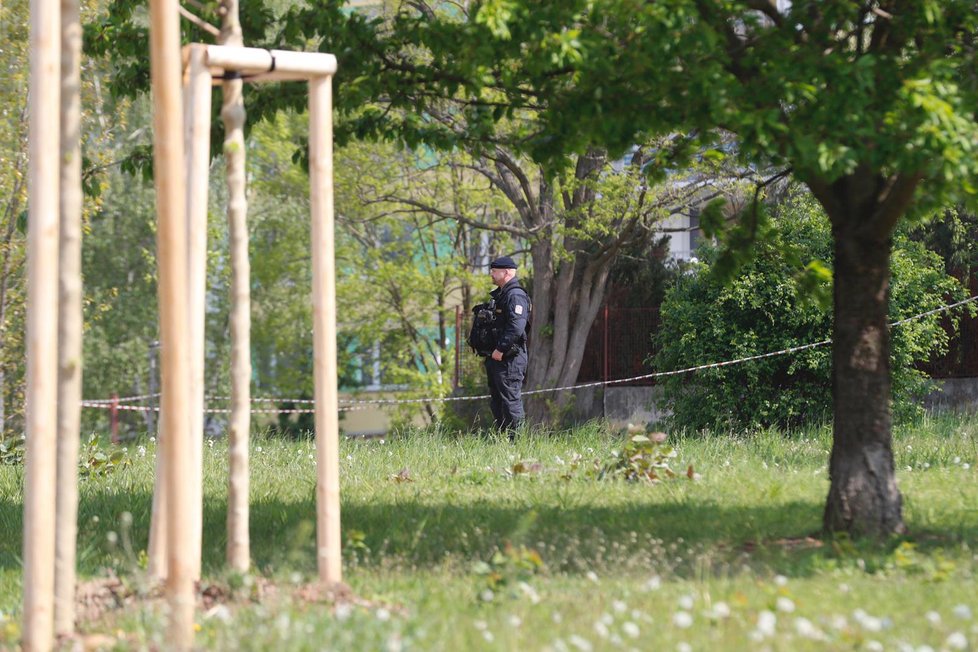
(766, 622)
(956, 641)
(720, 610)
(601, 629)
(686, 602)
(682, 619)
(785, 604)
(631, 629)
(933, 618)
(806, 629)
(581, 643)
(963, 612)
(780, 580)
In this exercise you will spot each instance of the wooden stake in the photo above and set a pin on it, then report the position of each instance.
(168, 160)
(324, 331)
(198, 130)
(69, 322)
(42, 324)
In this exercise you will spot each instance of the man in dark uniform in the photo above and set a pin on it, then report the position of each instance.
(506, 366)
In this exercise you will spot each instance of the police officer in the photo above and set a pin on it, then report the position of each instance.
(506, 366)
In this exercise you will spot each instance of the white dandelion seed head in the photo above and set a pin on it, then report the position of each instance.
(785, 604)
(580, 643)
(682, 619)
(720, 610)
(963, 612)
(956, 641)
(766, 622)
(601, 629)
(343, 611)
(807, 629)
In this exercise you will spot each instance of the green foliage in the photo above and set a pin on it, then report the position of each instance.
(12, 449)
(508, 571)
(644, 457)
(773, 304)
(97, 460)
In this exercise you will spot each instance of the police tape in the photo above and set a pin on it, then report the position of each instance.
(354, 405)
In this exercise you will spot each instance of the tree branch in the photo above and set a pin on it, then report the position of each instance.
(200, 22)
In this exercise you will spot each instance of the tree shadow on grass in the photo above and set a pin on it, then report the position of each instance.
(679, 539)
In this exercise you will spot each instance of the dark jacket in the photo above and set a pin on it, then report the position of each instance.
(512, 313)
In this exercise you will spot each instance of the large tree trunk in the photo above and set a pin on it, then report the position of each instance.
(863, 496)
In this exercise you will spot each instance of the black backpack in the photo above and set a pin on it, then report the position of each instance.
(482, 336)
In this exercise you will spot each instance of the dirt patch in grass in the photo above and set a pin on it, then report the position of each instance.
(99, 601)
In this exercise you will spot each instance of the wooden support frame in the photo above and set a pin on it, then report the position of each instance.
(209, 64)
(186, 268)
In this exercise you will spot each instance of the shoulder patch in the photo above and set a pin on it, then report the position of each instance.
(518, 309)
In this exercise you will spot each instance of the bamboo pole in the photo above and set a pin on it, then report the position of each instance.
(324, 331)
(233, 115)
(198, 128)
(168, 160)
(42, 328)
(69, 322)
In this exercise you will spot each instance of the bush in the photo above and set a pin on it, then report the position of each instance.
(765, 309)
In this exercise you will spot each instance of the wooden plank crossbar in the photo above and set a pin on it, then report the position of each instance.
(260, 65)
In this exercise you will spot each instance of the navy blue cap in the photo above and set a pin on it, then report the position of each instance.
(503, 262)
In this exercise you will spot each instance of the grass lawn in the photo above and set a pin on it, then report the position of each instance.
(459, 544)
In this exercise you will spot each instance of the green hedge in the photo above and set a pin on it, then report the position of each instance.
(772, 305)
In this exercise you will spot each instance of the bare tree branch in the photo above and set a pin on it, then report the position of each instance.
(200, 22)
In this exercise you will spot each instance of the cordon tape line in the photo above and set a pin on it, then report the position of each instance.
(363, 405)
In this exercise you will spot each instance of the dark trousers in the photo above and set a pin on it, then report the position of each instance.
(505, 388)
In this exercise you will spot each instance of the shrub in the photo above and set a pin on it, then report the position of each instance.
(771, 305)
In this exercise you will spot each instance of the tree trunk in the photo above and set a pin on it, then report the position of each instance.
(239, 428)
(69, 322)
(863, 496)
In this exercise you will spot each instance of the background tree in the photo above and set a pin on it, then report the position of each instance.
(402, 79)
(13, 190)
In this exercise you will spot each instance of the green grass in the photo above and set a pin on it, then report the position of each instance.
(466, 555)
